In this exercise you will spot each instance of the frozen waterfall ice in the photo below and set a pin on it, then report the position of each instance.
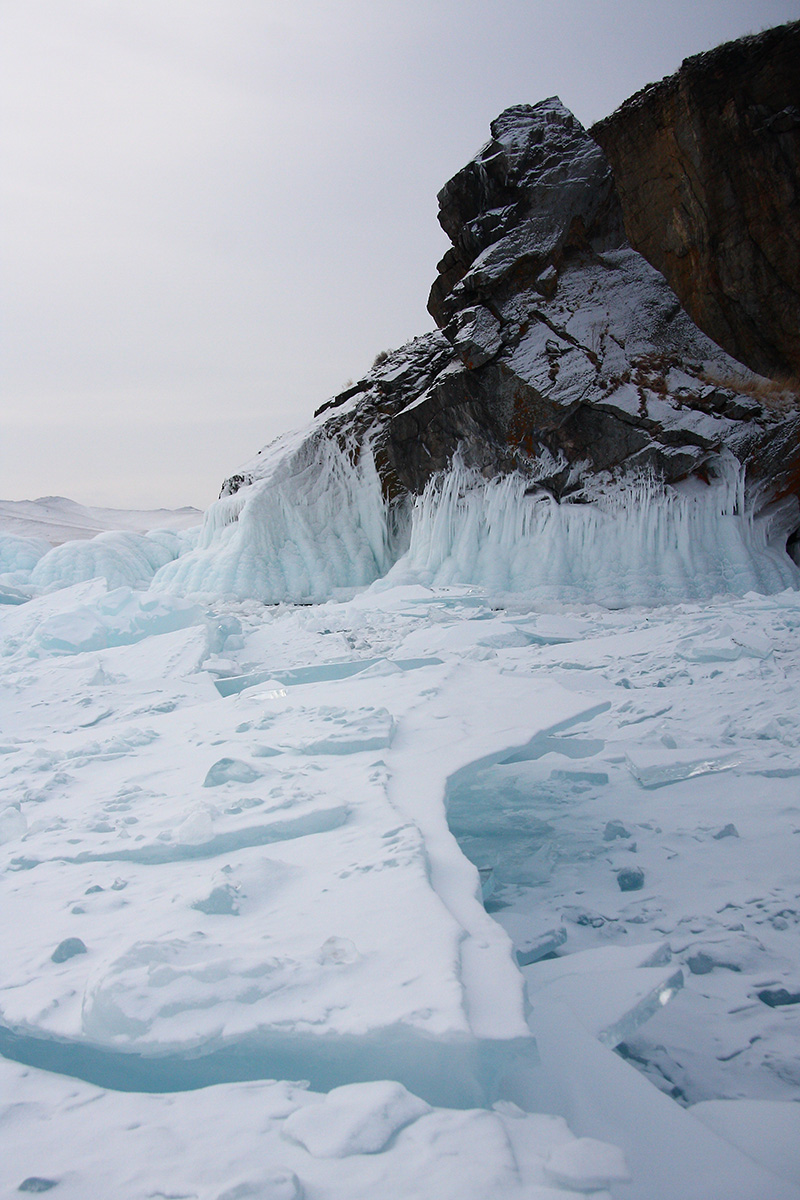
(639, 542)
(315, 523)
(318, 521)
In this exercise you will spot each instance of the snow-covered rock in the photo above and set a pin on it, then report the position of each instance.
(568, 432)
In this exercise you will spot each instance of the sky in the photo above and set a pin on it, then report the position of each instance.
(216, 212)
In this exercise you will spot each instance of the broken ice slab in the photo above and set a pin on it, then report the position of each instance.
(585, 982)
(710, 651)
(356, 1118)
(655, 766)
(341, 732)
(630, 879)
(509, 858)
(745, 645)
(230, 770)
(13, 824)
(586, 1165)
(553, 630)
(188, 845)
(489, 883)
(531, 941)
(567, 775)
(778, 997)
(13, 595)
(611, 1002)
(320, 673)
(613, 830)
(222, 901)
(604, 958)
(777, 766)
(68, 949)
(670, 1152)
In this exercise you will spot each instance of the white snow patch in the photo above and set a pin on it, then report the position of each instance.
(358, 1118)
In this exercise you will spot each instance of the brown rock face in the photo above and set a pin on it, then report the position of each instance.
(707, 167)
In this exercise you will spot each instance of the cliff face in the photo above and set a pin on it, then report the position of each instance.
(575, 346)
(707, 169)
(561, 352)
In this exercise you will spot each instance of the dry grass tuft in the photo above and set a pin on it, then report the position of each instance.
(779, 396)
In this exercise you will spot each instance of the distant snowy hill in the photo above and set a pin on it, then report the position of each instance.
(52, 542)
(57, 519)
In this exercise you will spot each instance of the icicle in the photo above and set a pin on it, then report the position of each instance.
(318, 521)
(639, 542)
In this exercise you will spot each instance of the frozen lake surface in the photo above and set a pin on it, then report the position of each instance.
(430, 891)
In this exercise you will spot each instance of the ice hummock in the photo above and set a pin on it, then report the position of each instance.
(55, 519)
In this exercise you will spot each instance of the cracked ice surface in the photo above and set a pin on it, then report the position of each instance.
(338, 835)
(332, 875)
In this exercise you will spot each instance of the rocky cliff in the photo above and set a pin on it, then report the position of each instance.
(561, 351)
(707, 168)
(567, 431)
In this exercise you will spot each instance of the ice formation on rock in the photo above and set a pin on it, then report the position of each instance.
(319, 523)
(316, 521)
(638, 543)
(564, 368)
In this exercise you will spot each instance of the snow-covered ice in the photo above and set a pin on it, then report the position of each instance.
(324, 900)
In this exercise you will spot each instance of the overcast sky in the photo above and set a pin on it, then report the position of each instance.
(216, 212)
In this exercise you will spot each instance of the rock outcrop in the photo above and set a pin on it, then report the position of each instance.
(568, 431)
(577, 346)
(561, 351)
(707, 168)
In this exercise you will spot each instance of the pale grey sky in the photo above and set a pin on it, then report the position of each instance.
(216, 212)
